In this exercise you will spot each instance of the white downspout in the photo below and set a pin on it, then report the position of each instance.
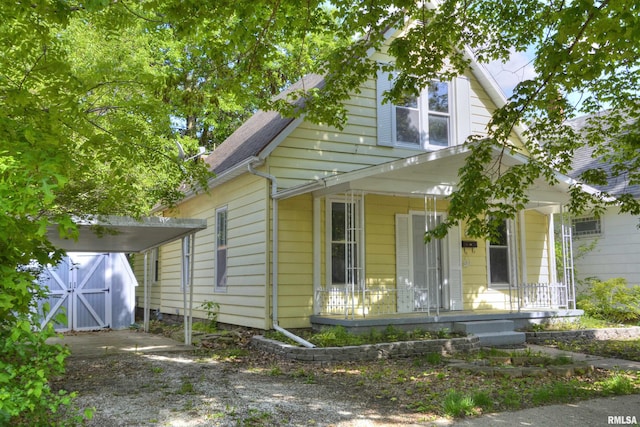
(274, 258)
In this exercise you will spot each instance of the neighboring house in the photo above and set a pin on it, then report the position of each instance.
(309, 225)
(609, 245)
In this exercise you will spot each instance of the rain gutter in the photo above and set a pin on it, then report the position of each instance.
(274, 257)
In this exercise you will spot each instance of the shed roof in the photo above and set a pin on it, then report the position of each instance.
(125, 234)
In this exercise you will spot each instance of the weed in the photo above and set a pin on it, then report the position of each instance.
(433, 358)
(211, 308)
(483, 400)
(456, 404)
(617, 384)
(510, 399)
(257, 418)
(186, 387)
(275, 371)
(230, 353)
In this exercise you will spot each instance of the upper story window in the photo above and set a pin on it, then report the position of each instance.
(586, 226)
(424, 121)
(439, 117)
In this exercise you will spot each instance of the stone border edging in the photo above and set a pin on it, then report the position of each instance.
(595, 334)
(392, 350)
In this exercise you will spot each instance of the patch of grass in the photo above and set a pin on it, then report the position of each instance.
(230, 353)
(275, 371)
(456, 404)
(619, 349)
(558, 392)
(617, 385)
(255, 418)
(186, 387)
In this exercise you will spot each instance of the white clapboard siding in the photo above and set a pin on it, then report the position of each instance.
(616, 252)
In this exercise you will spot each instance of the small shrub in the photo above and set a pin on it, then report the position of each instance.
(211, 308)
(612, 300)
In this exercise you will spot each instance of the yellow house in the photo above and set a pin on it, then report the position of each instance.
(309, 225)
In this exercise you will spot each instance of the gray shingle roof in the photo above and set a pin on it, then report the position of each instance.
(583, 160)
(256, 133)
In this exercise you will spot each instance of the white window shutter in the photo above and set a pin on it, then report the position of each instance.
(462, 106)
(384, 111)
(455, 268)
(403, 265)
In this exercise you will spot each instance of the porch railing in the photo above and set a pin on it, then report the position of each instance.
(349, 302)
(370, 302)
(544, 295)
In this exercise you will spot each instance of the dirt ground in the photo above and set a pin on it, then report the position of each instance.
(226, 384)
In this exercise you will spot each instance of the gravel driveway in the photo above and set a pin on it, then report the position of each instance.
(187, 389)
(137, 379)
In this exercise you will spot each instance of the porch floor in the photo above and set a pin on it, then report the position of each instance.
(444, 320)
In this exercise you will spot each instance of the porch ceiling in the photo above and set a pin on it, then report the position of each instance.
(431, 173)
(124, 234)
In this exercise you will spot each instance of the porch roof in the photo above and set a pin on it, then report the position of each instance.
(125, 234)
(430, 173)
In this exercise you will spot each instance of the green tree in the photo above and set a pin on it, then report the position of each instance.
(586, 49)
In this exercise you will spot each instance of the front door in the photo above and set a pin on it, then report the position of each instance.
(427, 265)
(427, 275)
(80, 287)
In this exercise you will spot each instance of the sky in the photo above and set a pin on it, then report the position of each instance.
(509, 74)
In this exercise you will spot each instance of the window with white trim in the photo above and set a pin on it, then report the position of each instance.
(586, 226)
(438, 117)
(424, 121)
(221, 248)
(499, 257)
(155, 265)
(344, 242)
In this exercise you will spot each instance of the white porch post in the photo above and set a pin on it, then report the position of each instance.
(523, 259)
(186, 279)
(567, 260)
(145, 303)
(317, 301)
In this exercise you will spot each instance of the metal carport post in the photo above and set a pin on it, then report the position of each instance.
(130, 235)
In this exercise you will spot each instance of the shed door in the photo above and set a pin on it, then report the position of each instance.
(90, 294)
(80, 286)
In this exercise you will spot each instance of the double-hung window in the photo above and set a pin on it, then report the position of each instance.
(221, 249)
(424, 121)
(499, 266)
(344, 242)
(437, 117)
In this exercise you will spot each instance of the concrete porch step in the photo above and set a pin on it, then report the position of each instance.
(492, 332)
(483, 326)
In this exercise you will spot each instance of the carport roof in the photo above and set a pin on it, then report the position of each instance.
(125, 234)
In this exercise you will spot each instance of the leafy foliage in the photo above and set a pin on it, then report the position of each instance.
(612, 300)
(27, 363)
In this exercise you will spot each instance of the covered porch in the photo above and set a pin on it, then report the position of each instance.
(371, 266)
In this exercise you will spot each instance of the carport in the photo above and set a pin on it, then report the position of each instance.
(130, 235)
